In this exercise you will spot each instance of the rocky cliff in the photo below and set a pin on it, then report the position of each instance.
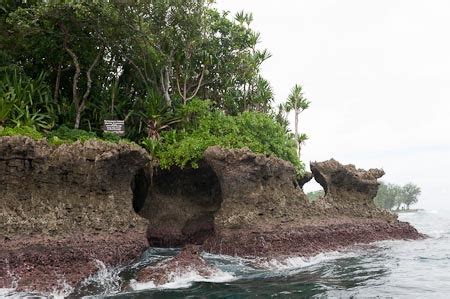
(62, 207)
(238, 202)
(57, 189)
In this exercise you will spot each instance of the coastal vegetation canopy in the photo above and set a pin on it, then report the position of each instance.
(181, 74)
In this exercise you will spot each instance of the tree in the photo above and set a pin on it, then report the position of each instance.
(72, 36)
(280, 116)
(301, 139)
(392, 197)
(298, 103)
(411, 193)
(156, 115)
(146, 62)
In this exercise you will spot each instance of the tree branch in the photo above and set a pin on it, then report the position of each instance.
(198, 85)
(89, 79)
(77, 67)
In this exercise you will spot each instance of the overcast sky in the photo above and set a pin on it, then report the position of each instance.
(378, 76)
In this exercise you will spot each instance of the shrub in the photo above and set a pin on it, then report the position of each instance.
(25, 102)
(66, 135)
(21, 131)
(258, 131)
(111, 137)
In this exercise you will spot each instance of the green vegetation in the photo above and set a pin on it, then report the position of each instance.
(395, 197)
(62, 135)
(22, 131)
(65, 135)
(315, 195)
(201, 129)
(182, 75)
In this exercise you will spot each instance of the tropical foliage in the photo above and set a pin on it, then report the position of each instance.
(182, 75)
(396, 197)
(315, 195)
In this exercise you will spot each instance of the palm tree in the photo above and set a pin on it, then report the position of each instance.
(298, 103)
(301, 139)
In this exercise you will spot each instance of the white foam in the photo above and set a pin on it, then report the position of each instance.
(297, 262)
(184, 280)
(11, 291)
(107, 279)
(62, 291)
(6, 292)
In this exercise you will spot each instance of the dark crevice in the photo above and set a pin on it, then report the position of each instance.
(196, 188)
(139, 186)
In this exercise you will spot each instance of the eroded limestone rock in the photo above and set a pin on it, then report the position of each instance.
(339, 181)
(237, 195)
(56, 189)
(188, 260)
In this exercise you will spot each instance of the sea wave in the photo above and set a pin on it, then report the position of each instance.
(297, 262)
(184, 280)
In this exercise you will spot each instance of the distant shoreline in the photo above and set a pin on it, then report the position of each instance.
(408, 211)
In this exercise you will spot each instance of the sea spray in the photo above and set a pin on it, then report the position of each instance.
(184, 279)
(105, 281)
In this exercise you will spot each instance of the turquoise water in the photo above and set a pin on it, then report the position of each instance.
(399, 269)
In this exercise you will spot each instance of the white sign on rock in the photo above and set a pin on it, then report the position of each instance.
(114, 126)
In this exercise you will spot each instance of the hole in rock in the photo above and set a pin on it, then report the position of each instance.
(313, 190)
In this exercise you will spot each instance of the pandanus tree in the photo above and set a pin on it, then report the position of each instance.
(280, 116)
(157, 115)
(298, 103)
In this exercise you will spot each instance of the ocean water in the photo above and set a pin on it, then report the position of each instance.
(397, 269)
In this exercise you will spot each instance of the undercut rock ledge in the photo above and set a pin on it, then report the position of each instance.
(253, 205)
(64, 207)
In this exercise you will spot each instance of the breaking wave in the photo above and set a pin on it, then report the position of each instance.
(184, 280)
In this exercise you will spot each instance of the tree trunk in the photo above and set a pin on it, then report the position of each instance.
(57, 83)
(77, 119)
(165, 84)
(296, 132)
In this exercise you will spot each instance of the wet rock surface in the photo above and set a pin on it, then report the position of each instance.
(186, 261)
(63, 207)
(259, 208)
(309, 239)
(44, 264)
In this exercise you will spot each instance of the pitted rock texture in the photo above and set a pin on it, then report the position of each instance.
(188, 260)
(63, 207)
(305, 178)
(56, 189)
(337, 179)
(230, 189)
(41, 263)
(349, 191)
(236, 194)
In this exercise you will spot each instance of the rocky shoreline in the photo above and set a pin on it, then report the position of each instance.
(64, 207)
(42, 263)
(308, 240)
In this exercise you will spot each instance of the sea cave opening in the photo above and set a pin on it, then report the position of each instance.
(178, 201)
